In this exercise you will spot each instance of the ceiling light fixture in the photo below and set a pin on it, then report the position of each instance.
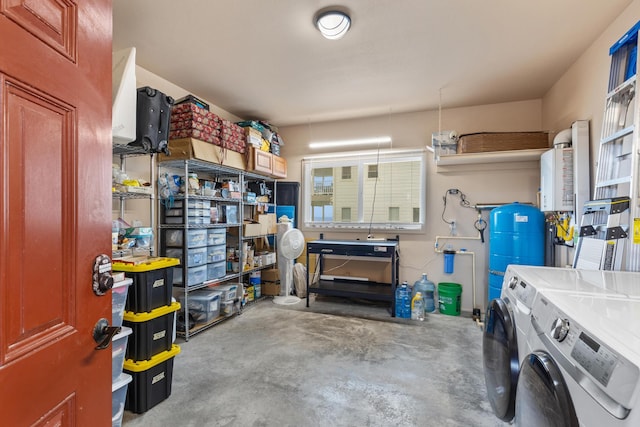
(349, 142)
(333, 23)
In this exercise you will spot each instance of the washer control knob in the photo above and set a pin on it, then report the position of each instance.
(560, 329)
(513, 282)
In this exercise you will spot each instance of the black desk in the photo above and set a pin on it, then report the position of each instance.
(355, 288)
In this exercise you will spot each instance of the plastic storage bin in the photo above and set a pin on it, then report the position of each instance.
(195, 276)
(118, 351)
(203, 304)
(151, 381)
(152, 332)
(216, 270)
(229, 292)
(195, 238)
(119, 294)
(226, 308)
(152, 283)
(217, 236)
(216, 253)
(193, 204)
(195, 256)
(118, 396)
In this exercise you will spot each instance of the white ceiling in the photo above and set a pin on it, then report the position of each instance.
(264, 59)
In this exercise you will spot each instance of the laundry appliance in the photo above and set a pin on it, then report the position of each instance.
(583, 368)
(507, 321)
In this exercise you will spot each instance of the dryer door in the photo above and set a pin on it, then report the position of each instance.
(500, 359)
(543, 398)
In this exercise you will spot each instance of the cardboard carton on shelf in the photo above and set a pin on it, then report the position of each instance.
(501, 141)
(251, 228)
(191, 148)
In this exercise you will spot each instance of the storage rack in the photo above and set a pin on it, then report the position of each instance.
(220, 172)
(123, 152)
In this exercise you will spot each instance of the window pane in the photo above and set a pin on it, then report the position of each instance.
(394, 214)
(372, 171)
(346, 172)
(346, 215)
(365, 190)
(397, 185)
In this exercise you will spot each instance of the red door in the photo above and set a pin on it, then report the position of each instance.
(55, 210)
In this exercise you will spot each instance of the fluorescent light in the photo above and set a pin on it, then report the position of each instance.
(332, 24)
(350, 142)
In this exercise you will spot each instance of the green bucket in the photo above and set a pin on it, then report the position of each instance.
(449, 298)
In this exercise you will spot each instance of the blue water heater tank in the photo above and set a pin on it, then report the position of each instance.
(516, 236)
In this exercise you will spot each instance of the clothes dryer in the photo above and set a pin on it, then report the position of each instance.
(507, 322)
(584, 365)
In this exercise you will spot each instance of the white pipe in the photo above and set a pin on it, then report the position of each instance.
(473, 261)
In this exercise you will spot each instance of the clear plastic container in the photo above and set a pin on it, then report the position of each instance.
(118, 396)
(119, 294)
(118, 350)
(427, 288)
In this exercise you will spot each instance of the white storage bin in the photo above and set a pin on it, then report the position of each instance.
(195, 256)
(119, 294)
(195, 275)
(216, 253)
(204, 304)
(193, 204)
(195, 238)
(217, 236)
(229, 292)
(118, 351)
(216, 270)
(118, 397)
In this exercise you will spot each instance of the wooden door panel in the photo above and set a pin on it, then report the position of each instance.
(39, 303)
(55, 210)
(54, 22)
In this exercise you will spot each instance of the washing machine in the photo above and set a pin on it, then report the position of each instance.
(583, 367)
(507, 322)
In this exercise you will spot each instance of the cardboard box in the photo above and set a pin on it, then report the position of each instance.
(252, 229)
(270, 275)
(502, 141)
(191, 148)
(269, 288)
(374, 269)
(269, 222)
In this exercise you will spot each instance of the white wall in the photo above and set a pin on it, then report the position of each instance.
(489, 183)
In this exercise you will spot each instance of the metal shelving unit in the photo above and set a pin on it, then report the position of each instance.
(123, 152)
(216, 173)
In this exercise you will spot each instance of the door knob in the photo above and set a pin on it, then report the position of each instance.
(103, 333)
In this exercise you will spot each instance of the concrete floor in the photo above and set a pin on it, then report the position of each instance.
(337, 363)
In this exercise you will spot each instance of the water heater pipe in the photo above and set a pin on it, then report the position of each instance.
(473, 264)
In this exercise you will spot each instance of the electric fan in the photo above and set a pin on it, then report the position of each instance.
(290, 245)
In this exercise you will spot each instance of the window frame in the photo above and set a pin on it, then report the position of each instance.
(360, 160)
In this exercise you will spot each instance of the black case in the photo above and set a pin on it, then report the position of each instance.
(153, 114)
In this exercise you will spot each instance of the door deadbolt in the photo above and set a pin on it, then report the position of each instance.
(102, 278)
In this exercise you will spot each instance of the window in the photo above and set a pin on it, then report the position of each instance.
(346, 214)
(384, 191)
(346, 172)
(394, 213)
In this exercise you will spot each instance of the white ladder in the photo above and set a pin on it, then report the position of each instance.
(601, 245)
(616, 180)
